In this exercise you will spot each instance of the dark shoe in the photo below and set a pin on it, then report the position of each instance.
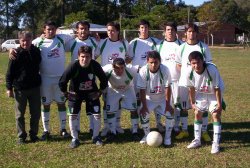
(74, 143)
(111, 137)
(136, 137)
(64, 133)
(34, 139)
(45, 136)
(98, 141)
(91, 132)
(21, 141)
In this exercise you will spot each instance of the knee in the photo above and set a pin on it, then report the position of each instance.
(216, 117)
(198, 115)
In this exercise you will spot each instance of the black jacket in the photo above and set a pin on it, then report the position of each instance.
(23, 72)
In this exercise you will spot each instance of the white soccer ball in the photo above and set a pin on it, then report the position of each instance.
(154, 139)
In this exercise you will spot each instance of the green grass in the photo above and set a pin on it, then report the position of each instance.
(234, 68)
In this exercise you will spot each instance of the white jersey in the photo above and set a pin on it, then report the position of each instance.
(207, 81)
(110, 50)
(154, 83)
(120, 83)
(53, 54)
(138, 49)
(168, 51)
(182, 58)
(74, 45)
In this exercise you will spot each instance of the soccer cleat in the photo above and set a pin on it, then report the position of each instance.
(45, 136)
(215, 148)
(160, 127)
(111, 137)
(98, 141)
(182, 134)
(136, 137)
(105, 131)
(143, 140)
(194, 144)
(74, 143)
(64, 133)
(91, 131)
(21, 141)
(205, 136)
(119, 130)
(167, 142)
(34, 139)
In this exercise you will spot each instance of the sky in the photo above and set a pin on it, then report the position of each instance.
(194, 2)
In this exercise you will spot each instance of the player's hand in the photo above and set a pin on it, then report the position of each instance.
(169, 108)
(144, 111)
(10, 93)
(12, 54)
(218, 109)
(194, 107)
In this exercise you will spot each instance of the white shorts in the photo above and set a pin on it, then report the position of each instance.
(175, 92)
(184, 97)
(158, 107)
(50, 90)
(206, 102)
(126, 98)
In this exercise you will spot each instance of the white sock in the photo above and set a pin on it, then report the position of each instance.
(204, 122)
(197, 130)
(112, 123)
(169, 125)
(45, 120)
(96, 124)
(79, 120)
(118, 118)
(134, 123)
(73, 125)
(62, 116)
(177, 117)
(105, 120)
(157, 118)
(217, 132)
(91, 122)
(184, 123)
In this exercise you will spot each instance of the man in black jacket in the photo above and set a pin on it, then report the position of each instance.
(82, 74)
(23, 83)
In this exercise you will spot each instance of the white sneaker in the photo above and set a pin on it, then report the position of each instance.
(105, 131)
(194, 144)
(215, 148)
(143, 140)
(167, 142)
(119, 130)
(160, 127)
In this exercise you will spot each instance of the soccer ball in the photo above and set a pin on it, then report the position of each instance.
(154, 139)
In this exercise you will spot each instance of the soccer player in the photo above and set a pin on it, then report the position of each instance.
(52, 48)
(82, 75)
(109, 49)
(83, 39)
(206, 89)
(168, 49)
(154, 82)
(138, 49)
(192, 44)
(23, 75)
(121, 91)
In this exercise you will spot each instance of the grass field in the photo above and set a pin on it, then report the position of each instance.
(235, 143)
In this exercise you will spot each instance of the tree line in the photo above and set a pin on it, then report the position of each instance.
(31, 14)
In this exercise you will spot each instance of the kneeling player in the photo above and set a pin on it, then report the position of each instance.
(121, 90)
(205, 90)
(82, 74)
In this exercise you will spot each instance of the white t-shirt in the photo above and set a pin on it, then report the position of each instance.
(182, 58)
(154, 83)
(138, 49)
(110, 50)
(168, 51)
(120, 83)
(207, 81)
(53, 54)
(74, 45)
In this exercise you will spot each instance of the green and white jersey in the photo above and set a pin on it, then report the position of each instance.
(207, 81)
(53, 54)
(74, 45)
(182, 58)
(110, 50)
(168, 51)
(123, 82)
(138, 49)
(154, 83)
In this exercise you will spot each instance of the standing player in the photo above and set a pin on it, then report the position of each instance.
(191, 44)
(121, 90)
(83, 39)
(110, 49)
(168, 49)
(206, 89)
(154, 82)
(52, 48)
(138, 49)
(82, 75)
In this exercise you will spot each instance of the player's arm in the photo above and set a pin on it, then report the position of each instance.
(168, 93)
(101, 76)
(9, 79)
(218, 99)
(66, 76)
(192, 97)
(144, 109)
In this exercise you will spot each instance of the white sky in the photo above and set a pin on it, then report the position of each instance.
(194, 2)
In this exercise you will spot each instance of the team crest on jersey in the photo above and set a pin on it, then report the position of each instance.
(90, 76)
(121, 49)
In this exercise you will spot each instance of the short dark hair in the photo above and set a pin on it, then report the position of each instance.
(85, 49)
(118, 61)
(24, 34)
(171, 24)
(143, 22)
(115, 25)
(49, 23)
(154, 55)
(195, 55)
(83, 22)
(193, 26)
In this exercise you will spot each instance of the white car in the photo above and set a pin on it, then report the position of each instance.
(11, 43)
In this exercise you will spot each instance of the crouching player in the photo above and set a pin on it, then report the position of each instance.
(121, 90)
(154, 82)
(205, 89)
(82, 74)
